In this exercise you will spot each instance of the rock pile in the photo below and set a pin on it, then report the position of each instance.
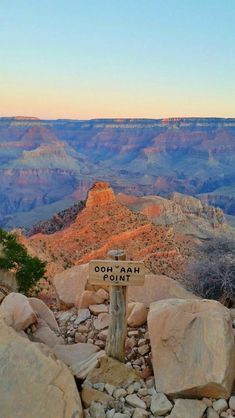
(140, 399)
(189, 343)
(90, 325)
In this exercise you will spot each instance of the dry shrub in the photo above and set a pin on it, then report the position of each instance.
(211, 273)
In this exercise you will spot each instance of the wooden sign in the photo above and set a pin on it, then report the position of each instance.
(116, 273)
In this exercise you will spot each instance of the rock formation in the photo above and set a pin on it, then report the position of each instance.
(191, 344)
(187, 214)
(44, 162)
(100, 194)
(32, 382)
(105, 224)
(192, 347)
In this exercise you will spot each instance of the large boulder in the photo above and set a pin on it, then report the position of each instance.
(158, 287)
(192, 347)
(18, 311)
(90, 297)
(32, 382)
(44, 334)
(81, 357)
(44, 313)
(70, 284)
(136, 314)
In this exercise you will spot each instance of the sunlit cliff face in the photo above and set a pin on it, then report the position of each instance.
(106, 224)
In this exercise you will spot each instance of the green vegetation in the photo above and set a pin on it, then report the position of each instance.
(14, 257)
(211, 274)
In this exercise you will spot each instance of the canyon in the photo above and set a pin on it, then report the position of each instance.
(47, 165)
(103, 224)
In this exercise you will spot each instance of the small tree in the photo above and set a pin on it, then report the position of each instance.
(211, 274)
(14, 257)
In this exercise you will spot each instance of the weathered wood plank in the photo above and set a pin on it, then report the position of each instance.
(115, 345)
(123, 273)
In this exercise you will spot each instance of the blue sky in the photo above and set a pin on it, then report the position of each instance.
(117, 58)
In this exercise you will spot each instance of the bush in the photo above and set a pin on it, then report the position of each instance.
(211, 274)
(15, 258)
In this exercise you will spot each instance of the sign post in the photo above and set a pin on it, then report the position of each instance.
(119, 274)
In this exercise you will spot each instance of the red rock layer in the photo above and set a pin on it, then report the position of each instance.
(105, 224)
(100, 194)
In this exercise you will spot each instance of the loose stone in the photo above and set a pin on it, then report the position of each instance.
(97, 309)
(220, 405)
(99, 386)
(97, 410)
(144, 349)
(118, 393)
(134, 333)
(211, 413)
(140, 413)
(130, 389)
(142, 341)
(83, 315)
(143, 392)
(109, 388)
(110, 413)
(160, 405)
(135, 401)
(232, 403)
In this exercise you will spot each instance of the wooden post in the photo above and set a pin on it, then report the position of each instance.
(119, 274)
(115, 345)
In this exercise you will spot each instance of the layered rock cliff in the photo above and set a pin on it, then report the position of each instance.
(104, 224)
(187, 155)
(187, 214)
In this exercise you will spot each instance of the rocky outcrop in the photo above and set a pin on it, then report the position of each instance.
(101, 227)
(32, 382)
(100, 194)
(188, 204)
(187, 214)
(193, 206)
(59, 221)
(192, 348)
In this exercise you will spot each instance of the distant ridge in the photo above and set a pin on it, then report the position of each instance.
(122, 120)
(26, 118)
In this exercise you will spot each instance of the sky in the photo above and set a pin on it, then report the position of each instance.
(85, 59)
